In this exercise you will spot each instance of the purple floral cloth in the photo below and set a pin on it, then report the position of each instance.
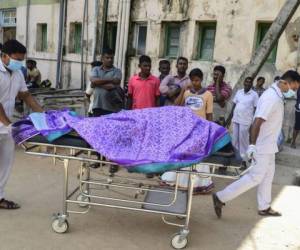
(167, 134)
(155, 135)
(23, 130)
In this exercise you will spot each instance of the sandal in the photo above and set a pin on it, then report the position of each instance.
(269, 212)
(5, 204)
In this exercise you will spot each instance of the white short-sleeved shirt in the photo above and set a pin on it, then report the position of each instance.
(90, 91)
(245, 105)
(10, 85)
(270, 107)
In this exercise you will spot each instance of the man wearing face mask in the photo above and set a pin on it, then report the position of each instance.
(264, 132)
(12, 85)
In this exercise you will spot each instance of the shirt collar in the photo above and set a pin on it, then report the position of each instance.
(248, 93)
(2, 68)
(183, 78)
(107, 70)
(277, 89)
(140, 78)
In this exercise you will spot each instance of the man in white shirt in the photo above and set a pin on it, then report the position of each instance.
(244, 104)
(264, 133)
(12, 85)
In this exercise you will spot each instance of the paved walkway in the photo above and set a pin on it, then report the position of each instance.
(36, 184)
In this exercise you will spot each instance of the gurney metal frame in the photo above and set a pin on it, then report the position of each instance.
(168, 202)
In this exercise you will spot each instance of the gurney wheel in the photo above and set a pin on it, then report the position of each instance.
(179, 242)
(60, 226)
(83, 198)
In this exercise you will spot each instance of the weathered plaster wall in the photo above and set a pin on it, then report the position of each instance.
(235, 36)
(49, 13)
(234, 45)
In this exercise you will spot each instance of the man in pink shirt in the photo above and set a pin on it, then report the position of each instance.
(143, 88)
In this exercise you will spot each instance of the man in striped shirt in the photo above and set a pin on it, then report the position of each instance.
(221, 92)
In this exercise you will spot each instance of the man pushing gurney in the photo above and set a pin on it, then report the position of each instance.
(264, 133)
(12, 85)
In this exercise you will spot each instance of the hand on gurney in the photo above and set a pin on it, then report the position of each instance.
(251, 152)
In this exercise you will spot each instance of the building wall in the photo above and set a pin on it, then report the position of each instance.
(235, 33)
(234, 43)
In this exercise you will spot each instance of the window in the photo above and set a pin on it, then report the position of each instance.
(172, 40)
(110, 35)
(207, 37)
(41, 37)
(75, 38)
(8, 18)
(262, 29)
(140, 39)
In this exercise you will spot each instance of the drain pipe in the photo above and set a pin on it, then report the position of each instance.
(60, 43)
(83, 46)
(125, 43)
(27, 23)
(104, 19)
(122, 34)
(96, 14)
(119, 34)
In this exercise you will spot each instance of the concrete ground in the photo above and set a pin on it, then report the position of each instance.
(36, 184)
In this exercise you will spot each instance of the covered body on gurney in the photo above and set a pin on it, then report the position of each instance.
(142, 141)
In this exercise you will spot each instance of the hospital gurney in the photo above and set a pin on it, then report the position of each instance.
(96, 187)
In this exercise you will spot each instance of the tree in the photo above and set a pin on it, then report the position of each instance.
(262, 52)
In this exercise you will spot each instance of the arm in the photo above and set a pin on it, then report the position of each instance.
(180, 99)
(157, 101)
(97, 82)
(228, 121)
(219, 98)
(88, 97)
(3, 117)
(36, 75)
(30, 101)
(163, 88)
(157, 93)
(209, 106)
(209, 117)
(130, 94)
(173, 93)
(254, 130)
(129, 102)
(222, 94)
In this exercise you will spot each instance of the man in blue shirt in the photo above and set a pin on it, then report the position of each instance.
(105, 79)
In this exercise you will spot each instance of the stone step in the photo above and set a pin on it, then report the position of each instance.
(289, 157)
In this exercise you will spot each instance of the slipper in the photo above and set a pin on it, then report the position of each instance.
(218, 205)
(269, 212)
(5, 204)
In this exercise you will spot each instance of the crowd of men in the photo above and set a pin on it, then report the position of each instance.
(256, 115)
(146, 91)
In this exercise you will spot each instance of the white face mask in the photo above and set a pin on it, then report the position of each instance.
(14, 65)
(290, 94)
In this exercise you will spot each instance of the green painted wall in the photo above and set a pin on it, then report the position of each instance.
(16, 3)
